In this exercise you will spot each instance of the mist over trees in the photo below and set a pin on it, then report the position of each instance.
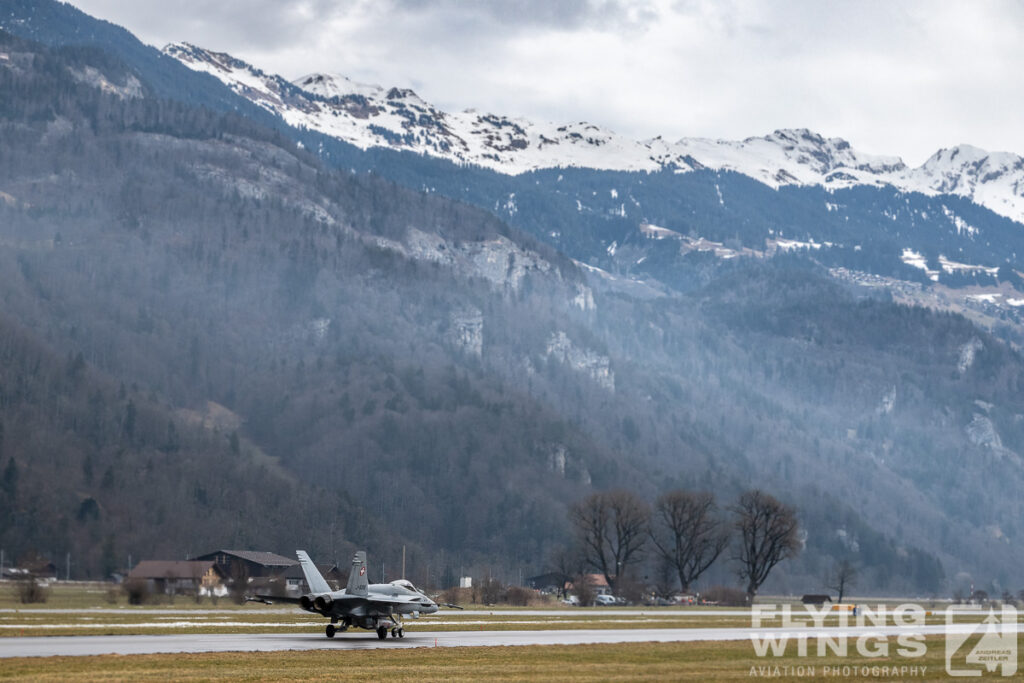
(209, 338)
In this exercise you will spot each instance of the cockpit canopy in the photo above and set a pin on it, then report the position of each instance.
(406, 584)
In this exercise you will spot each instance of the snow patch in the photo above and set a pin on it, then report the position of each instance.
(658, 233)
(962, 226)
(916, 260)
(954, 267)
(130, 89)
(790, 245)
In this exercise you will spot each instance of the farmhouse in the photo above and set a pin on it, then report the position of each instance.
(178, 576)
(293, 581)
(248, 563)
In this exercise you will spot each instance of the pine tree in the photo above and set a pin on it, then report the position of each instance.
(10, 479)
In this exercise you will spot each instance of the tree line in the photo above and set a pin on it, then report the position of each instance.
(686, 531)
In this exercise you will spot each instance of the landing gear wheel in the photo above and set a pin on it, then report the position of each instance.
(401, 633)
(331, 630)
(394, 633)
(382, 632)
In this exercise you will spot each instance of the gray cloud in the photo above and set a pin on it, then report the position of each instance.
(269, 23)
(899, 78)
(562, 15)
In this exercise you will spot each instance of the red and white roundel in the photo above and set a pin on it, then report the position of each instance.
(362, 571)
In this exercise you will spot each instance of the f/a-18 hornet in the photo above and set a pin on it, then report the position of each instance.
(376, 607)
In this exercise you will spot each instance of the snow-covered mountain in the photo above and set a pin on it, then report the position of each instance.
(994, 180)
(371, 116)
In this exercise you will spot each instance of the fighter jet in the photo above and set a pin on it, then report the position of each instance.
(376, 607)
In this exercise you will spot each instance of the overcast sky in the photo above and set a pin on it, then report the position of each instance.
(891, 77)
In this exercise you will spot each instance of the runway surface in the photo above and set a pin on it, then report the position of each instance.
(567, 612)
(358, 640)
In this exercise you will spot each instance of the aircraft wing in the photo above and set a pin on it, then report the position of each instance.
(278, 598)
(351, 600)
(381, 602)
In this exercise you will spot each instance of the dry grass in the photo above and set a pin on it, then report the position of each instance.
(85, 595)
(628, 662)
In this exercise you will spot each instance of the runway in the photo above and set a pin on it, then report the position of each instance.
(361, 640)
(568, 612)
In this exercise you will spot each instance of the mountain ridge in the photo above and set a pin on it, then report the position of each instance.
(368, 115)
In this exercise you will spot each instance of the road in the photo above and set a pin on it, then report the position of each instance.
(268, 642)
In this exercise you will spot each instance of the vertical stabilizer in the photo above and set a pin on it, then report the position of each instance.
(357, 581)
(314, 579)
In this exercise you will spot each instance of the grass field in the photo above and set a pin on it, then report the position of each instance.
(634, 662)
(82, 609)
(89, 595)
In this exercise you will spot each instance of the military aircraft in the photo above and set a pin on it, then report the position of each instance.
(376, 607)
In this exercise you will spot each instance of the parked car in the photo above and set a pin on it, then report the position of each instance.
(659, 602)
(571, 600)
(605, 600)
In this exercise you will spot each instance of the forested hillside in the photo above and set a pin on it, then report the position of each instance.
(197, 258)
(262, 350)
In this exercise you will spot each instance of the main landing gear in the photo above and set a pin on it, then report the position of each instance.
(396, 631)
(332, 628)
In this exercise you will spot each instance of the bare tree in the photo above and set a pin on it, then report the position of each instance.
(689, 536)
(239, 581)
(768, 534)
(584, 590)
(490, 591)
(569, 562)
(611, 528)
(842, 575)
(664, 578)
